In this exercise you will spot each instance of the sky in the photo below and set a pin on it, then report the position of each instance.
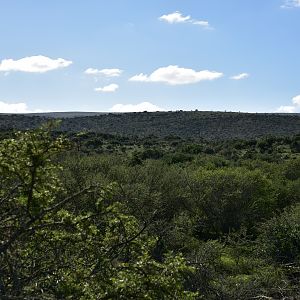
(134, 55)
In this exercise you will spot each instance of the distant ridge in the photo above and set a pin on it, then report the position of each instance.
(185, 124)
(68, 114)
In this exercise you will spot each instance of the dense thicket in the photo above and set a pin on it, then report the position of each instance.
(185, 124)
(115, 217)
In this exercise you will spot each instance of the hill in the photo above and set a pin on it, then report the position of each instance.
(184, 124)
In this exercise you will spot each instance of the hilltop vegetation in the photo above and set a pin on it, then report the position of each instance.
(194, 124)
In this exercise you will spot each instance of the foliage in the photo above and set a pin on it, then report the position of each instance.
(230, 198)
(148, 217)
(171, 125)
(280, 237)
(61, 245)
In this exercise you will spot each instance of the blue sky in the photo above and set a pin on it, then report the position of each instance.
(126, 55)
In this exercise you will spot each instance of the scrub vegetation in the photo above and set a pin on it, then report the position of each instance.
(93, 215)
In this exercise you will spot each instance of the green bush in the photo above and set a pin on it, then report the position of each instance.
(280, 237)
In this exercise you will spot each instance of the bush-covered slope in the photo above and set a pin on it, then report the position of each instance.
(194, 124)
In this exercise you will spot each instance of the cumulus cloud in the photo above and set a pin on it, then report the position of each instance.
(175, 75)
(16, 108)
(175, 17)
(296, 100)
(178, 17)
(33, 64)
(144, 106)
(108, 88)
(104, 72)
(290, 4)
(240, 76)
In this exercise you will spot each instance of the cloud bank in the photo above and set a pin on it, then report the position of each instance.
(175, 75)
(104, 72)
(33, 64)
(144, 106)
(108, 88)
(296, 100)
(290, 108)
(177, 17)
(286, 109)
(16, 108)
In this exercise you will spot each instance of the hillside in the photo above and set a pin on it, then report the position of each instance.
(185, 124)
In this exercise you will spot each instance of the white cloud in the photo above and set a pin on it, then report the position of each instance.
(140, 77)
(240, 76)
(175, 75)
(16, 108)
(202, 23)
(291, 4)
(286, 109)
(291, 108)
(33, 64)
(296, 100)
(177, 17)
(108, 88)
(105, 72)
(144, 106)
